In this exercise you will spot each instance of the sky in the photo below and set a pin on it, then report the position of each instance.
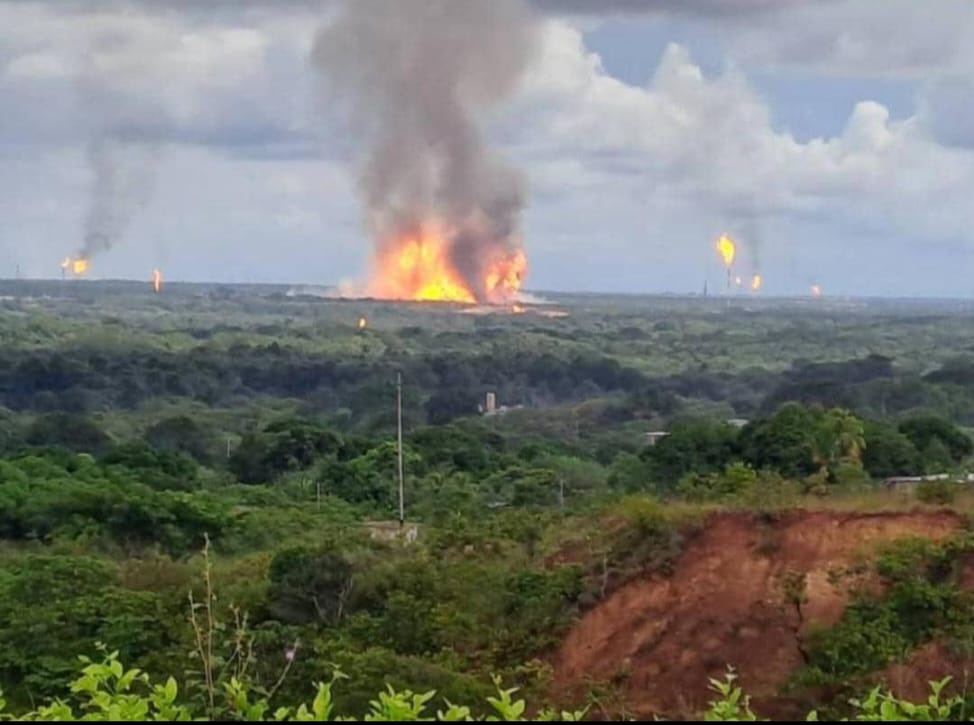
(833, 139)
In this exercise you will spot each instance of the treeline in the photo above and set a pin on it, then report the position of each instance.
(813, 446)
(442, 387)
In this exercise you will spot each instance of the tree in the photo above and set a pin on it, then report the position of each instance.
(630, 473)
(310, 586)
(889, 452)
(736, 479)
(693, 446)
(448, 404)
(926, 431)
(158, 468)
(288, 445)
(182, 434)
(840, 438)
(68, 430)
(786, 442)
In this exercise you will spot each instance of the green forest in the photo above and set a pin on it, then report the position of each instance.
(202, 485)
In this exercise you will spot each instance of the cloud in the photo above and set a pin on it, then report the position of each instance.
(895, 38)
(947, 110)
(699, 8)
(704, 146)
(162, 75)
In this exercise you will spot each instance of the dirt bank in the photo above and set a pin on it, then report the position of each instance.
(728, 602)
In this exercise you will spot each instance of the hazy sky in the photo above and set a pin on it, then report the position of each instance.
(833, 138)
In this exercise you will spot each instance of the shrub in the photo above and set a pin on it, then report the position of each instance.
(938, 492)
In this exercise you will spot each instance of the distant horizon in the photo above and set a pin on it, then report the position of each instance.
(742, 296)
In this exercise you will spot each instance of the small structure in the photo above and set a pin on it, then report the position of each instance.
(653, 437)
(490, 406)
(909, 483)
(738, 422)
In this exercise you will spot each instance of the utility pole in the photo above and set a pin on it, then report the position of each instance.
(402, 510)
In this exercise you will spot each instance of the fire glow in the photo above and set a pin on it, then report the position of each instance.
(756, 282)
(77, 266)
(421, 268)
(727, 249)
(157, 280)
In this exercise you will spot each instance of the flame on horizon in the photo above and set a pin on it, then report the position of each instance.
(756, 282)
(362, 322)
(77, 266)
(816, 291)
(727, 249)
(420, 268)
(157, 280)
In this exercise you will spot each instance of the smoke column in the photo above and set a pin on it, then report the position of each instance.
(411, 79)
(124, 132)
(122, 173)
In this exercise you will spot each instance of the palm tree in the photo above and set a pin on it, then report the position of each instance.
(848, 435)
(839, 438)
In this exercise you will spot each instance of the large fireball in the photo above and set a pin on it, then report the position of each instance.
(420, 267)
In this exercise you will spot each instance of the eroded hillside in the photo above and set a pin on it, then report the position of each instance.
(745, 591)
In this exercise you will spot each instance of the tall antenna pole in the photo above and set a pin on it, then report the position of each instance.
(402, 510)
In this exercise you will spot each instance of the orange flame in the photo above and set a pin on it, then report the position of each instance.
(756, 282)
(419, 268)
(816, 291)
(77, 266)
(157, 280)
(727, 249)
(362, 323)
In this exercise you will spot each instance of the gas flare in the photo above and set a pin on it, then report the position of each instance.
(738, 281)
(816, 291)
(421, 268)
(362, 322)
(727, 249)
(756, 282)
(157, 280)
(77, 266)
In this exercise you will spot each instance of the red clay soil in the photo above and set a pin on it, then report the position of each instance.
(911, 679)
(725, 603)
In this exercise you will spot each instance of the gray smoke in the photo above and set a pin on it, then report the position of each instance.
(124, 129)
(412, 79)
(122, 173)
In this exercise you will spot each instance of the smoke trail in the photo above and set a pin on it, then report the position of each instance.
(122, 174)
(124, 134)
(412, 79)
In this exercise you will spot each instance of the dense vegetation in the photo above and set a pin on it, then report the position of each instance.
(106, 691)
(137, 431)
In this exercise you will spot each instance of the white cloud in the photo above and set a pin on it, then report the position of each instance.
(710, 141)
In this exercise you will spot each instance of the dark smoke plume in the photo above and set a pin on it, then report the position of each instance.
(124, 132)
(122, 174)
(412, 79)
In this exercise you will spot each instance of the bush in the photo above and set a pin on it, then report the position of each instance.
(106, 691)
(938, 492)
